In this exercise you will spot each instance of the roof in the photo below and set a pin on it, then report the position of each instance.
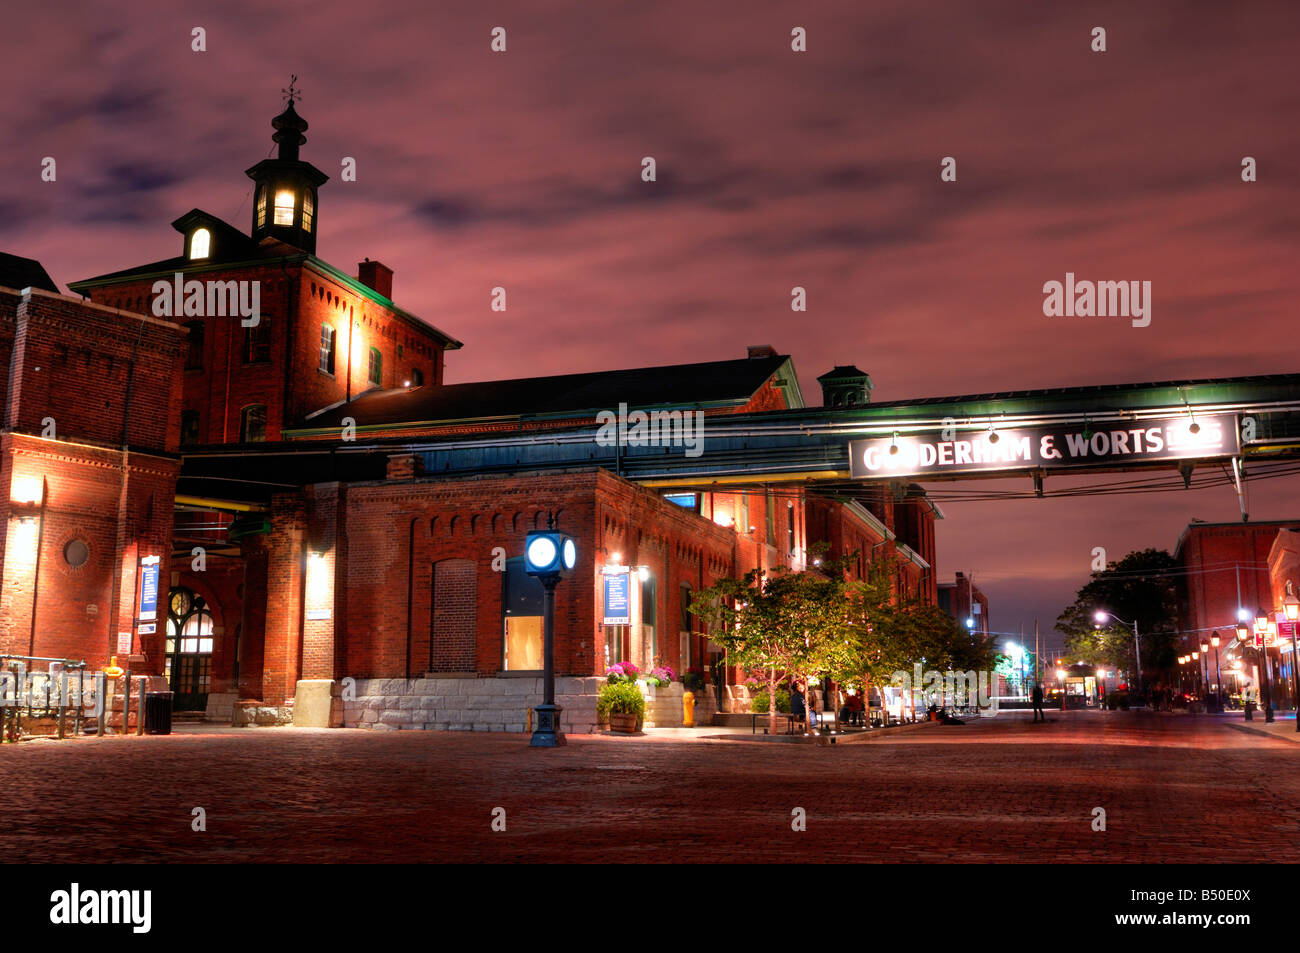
(566, 395)
(843, 372)
(19, 273)
(233, 249)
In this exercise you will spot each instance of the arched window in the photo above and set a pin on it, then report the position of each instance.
(190, 641)
(252, 424)
(284, 202)
(200, 243)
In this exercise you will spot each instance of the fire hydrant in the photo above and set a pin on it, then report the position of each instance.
(688, 710)
(112, 669)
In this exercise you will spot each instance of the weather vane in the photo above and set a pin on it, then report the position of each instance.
(291, 94)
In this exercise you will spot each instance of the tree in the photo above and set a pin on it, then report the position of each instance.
(1141, 587)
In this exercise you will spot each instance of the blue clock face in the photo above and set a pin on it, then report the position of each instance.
(541, 553)
(570, 554)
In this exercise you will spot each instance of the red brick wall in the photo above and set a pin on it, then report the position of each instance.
(1212, 555)
(119, 504)
(290, 384)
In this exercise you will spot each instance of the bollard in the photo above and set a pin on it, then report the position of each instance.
(688, 710)
(139, 709)
(101, 703)
(126, 704)
(63, 701)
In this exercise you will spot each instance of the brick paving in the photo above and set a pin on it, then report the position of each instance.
(1175, 788)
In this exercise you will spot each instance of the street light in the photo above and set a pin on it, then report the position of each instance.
(1205, 664)
(1101, 616)
(1261, 645)
(1291, 606)
(1218, 673)
(548, 554)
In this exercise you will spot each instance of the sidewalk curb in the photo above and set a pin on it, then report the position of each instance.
(1292, 737)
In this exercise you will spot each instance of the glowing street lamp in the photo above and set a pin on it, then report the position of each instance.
(1101, 615)
(548, 555)
(1261, 646)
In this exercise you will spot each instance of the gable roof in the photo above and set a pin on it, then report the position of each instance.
(19, 273)
(712, 383)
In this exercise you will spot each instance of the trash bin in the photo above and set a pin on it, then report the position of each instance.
(158, 713)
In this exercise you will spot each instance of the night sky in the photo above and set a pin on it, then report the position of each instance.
(776, 169)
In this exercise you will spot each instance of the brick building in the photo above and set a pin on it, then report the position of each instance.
(1227, 567)
(964, 601)
(87, 475)
(324, 506)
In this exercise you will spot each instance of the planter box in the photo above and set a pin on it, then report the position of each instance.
(626, 724)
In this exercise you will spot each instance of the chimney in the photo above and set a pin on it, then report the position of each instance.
(378, 277)
(761, 350)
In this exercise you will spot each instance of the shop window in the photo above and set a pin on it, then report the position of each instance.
(521, 619)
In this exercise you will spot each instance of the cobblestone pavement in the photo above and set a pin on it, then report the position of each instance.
(1174, 787)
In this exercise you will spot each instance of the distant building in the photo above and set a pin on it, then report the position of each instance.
(1226, 568)
(964, 601)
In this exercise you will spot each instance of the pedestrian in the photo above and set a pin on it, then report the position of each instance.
(1038, 703)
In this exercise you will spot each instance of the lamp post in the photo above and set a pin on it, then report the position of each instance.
(1205, 662)
(1060, 677)
(1218, 674)
(1291, 606)
(1196, 662)
(1101, 616)
(1261, 646)
(1243, 633)
(548, 555)
(1182, 662)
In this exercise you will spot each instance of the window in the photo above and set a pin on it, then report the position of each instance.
(521, 619)
(771, 519)
(417, 377)
(789, 536)
(261, 206)
(189, 427)
(190, 641)
(76, 553)
(376, 366)
(743, 522)
(326, 349)
(194, 338)
(257, 341)
(200, 243)
(307, 209)
(648, 616)
(686, 608)
(283, 207)
(252, 424)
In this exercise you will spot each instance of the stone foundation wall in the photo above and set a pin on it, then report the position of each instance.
(467, 704)
(498, 704)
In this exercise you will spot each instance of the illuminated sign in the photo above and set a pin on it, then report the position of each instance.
(1058, 446)
(618, 591)
(149, 589)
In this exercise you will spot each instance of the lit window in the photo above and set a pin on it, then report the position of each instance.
(326, 365)
(261, 206)
(522, 618)
(307, 209)
(200, 243)
(284, 207)
(376, 366)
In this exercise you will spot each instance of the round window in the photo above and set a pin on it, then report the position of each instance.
(76, 553)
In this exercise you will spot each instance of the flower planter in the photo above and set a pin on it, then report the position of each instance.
(627, 724)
